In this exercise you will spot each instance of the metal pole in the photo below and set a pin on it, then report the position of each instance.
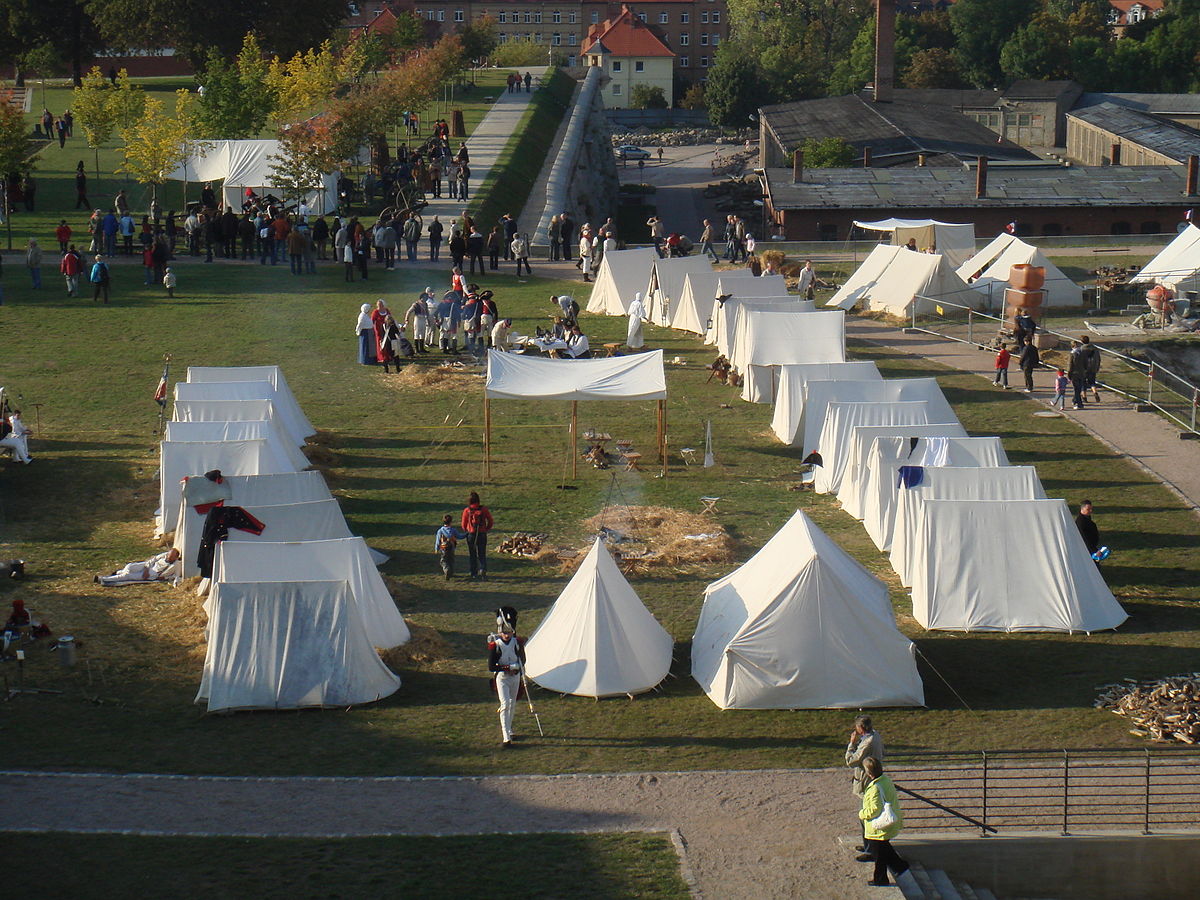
(970, 326)
(1146, 801)
(985, 789)
(1150, 384)
(1195, 403)
(574, 439)
(1065, 791)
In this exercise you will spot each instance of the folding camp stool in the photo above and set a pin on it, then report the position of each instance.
(688, 454)
(631, 461)
(710, 504)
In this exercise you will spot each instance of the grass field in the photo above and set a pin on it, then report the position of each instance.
(546, 866)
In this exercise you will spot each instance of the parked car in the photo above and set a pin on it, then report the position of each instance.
(629, 151)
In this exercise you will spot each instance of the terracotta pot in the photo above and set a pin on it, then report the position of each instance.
(1026, 277)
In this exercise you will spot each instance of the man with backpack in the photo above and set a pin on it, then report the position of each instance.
(444, 544)
(477, 522)
(99, 278)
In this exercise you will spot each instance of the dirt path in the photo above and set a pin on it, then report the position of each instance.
(766, 834)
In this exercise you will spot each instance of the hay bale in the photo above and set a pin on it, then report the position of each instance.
(661, 536)
(426, 646)
(324, 438)
(778, 257)
(453, 376)
(320, 457)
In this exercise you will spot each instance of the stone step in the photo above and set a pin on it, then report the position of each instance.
(923, 881)
(966, 891)
(945, 887)
(984, 894)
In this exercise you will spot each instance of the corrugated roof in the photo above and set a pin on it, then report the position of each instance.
(1143, 129)
(899, 128)
(1019, 186)
(1162, 104)
(1029, 89)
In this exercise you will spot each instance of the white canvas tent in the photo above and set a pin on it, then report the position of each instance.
(290, 417)
(284, 398)
(892, 279)
(995, 260)
(1177, 265)
(288, 645)
(622, 274)
(310, 520)
(951, 483)
(598, 639)
(665, 285)
(245, 164)
(840, 421)
(766, 339)
(802, 625)
(954, 241)
(180, 460)
(248, 491)
(889, 454)
(759, 294)
(819, 394)
(788, 415)
(341, 559)
(231, 411)
(852, 494)
(264, 429)
(694, 309)
(1007, 565)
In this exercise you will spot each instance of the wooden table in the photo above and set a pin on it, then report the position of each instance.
(612, 349)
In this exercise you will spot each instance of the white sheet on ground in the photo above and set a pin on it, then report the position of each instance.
(819, 394)
(788, 416)
(637, 377)
(1007, 565)
(182, 460)
(340, 559)
(802, 625)
(889, 454)
(953, 483)
(840, 421)
(622, 274)
(288, 645)
(852, 493)
(598, 639)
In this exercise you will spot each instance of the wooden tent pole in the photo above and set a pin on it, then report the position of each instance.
(574, 439)
(487, 439)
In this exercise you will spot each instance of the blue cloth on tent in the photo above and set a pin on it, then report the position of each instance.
(911, 476)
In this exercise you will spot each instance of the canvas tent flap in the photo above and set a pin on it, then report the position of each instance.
(802, 625)
(180, 460)
(988, 272)
(598, 639)
(622, 274)
(958, 587)
(342, 559)
(892, 279)
(289, 645)
(955, 241)
(637, 377)
(953, 483)
(273, 374)
(819, 394)
(840, 421)
(245, 164)
(888, 454)
(289, 416)
(774, 337)
(1177, 265)
(231, 411)
(264, 429)
(763, 292)
(788, 414)
(665, 284)
(852, 494)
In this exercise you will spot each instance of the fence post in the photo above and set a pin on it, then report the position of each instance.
(1066, 795)
(1150, 384)
(985, 792)
(970, 326)
(1195, 403)
(1146, 800)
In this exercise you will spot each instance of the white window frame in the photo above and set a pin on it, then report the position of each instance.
(503, 18)
(595, 17)
(715, 39)
(441, 15)
(704, 17)
(684, 39)
(639, 65)
(664, 18)
(704, 62)
(571, 60)
(616, 65)
(557, 17)
(537, 17)
(572, 16)
(556, 39)
(685, 18)
(459, 15)
(572, 39)
(704, 39)
(716, 17)
(616, 90)
(685, 62)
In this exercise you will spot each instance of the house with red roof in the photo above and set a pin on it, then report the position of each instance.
(630, 52)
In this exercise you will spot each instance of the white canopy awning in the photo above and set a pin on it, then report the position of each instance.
(955, 241)
(637, 377)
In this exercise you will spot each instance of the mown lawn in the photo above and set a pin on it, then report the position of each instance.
(436, 868)
(406, 455)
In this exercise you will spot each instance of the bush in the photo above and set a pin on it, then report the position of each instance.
(693, 98)
(643, 96)
(518, 54)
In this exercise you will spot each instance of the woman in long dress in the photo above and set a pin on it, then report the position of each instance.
(365, 330)
(637, 311)
(379, 316)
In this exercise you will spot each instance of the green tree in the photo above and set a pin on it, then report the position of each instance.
(858, 67)
(94, 112)
(1039, 50)
(644, 96)
(48, 36)
(238, 99)
(301, 162)
(15, 155)
(932, 68)
(522, 53)
(981, 29)
(693, 97)
(827, 153)
(735, 90)
(154, 145)
(479, 39)
(128, 101)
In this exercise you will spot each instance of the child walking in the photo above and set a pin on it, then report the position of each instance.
(1061, 383)
(1002, 358)
(444, 542)
(169, 282)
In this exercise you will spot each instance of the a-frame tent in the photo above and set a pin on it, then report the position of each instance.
(802, 625)
(699, 297)
(598, 639)
(622, 274)
(892, 279)
(1177, 265)
(665, 285)
(988, 272)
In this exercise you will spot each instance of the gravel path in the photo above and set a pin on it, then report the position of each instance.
(766, 834)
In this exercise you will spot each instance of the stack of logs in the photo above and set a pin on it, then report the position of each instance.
(523, 543)
(1163, 710)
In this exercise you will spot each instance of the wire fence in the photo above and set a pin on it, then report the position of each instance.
(1145, 383)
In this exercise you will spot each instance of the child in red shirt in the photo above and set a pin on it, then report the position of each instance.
(1002, 358)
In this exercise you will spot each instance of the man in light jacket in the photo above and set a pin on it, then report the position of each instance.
(865, 742)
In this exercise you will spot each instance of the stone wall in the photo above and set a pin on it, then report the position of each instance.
(583, 175)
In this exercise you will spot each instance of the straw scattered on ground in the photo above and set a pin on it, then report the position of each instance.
(442, 378)
(321, 458)
(426, 646)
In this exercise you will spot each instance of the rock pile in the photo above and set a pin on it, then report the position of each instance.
(682, 137)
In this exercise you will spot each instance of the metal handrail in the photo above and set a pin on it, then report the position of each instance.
(1038, 788)
(1185, 391)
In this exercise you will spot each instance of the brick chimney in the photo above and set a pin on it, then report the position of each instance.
(797, 167)
(981, 177)
(1193, 167)
(885, 49)
(1115, 154)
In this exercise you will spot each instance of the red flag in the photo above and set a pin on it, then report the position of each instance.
(160, 393)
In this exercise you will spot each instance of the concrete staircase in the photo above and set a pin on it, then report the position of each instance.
(920, 883)
(19, 98)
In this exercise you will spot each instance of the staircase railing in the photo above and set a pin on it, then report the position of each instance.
(1069, 791)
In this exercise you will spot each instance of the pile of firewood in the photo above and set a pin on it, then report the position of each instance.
(1163, 710)
(523, 543)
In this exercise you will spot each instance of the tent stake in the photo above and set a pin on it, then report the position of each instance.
(487, 439)
(574, 439)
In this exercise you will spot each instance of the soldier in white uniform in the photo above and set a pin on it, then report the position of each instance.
(506, 659)
(161, 567)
